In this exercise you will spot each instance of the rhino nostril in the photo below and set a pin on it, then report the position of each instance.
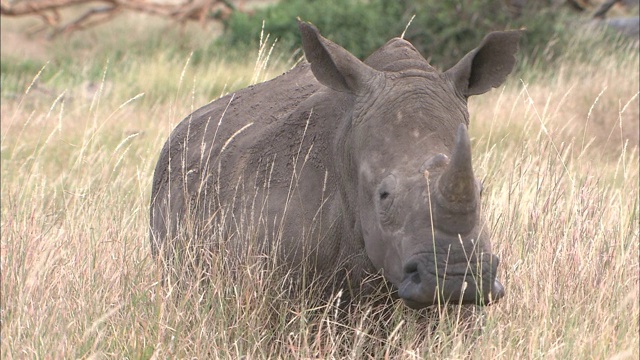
(411, 272)
(411, 267)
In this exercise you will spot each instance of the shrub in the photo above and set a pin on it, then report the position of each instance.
(359, 26)
(443, 31)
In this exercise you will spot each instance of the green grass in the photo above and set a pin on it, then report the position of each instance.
(556, 149)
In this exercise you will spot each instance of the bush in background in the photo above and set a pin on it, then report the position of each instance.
(442, 31)
(357, 25)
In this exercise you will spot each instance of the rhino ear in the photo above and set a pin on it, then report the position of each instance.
(488, 65)
(332, 65)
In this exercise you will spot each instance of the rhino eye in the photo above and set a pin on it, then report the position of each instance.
(386, 188)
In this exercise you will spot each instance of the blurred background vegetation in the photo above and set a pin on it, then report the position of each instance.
(141, 51)
(443, 31)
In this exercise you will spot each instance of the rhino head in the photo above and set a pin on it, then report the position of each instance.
(404, 156)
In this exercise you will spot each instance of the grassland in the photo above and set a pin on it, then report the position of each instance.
(81, 129)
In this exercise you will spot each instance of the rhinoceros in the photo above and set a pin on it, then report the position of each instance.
(347, 168)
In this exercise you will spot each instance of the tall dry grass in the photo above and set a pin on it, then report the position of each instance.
(561, 192)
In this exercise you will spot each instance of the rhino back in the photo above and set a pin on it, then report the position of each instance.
(230, 149)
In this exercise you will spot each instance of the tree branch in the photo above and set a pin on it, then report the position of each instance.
(47, 10)
(604, 8)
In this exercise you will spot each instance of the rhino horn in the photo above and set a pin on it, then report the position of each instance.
(456, 193)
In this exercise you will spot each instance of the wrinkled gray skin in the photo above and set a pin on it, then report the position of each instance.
(382, 160)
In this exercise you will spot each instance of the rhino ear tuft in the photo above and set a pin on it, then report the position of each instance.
(488, 65)
(332, 65)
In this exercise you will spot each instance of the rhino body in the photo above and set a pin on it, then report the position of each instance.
(347, 168)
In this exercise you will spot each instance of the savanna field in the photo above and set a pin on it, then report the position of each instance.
(81, 130)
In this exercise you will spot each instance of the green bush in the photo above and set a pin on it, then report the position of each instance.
(359, 26)
(446, 30)
(443, 31)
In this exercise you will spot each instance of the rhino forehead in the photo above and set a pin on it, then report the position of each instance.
(398, 55)
(411, 107)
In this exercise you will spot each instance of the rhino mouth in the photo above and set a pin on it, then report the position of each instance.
(425, 285)
(497, 292)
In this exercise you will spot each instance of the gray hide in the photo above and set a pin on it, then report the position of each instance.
(349, 168)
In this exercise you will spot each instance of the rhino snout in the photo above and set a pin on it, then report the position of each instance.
(497, 291)
(425, 283)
